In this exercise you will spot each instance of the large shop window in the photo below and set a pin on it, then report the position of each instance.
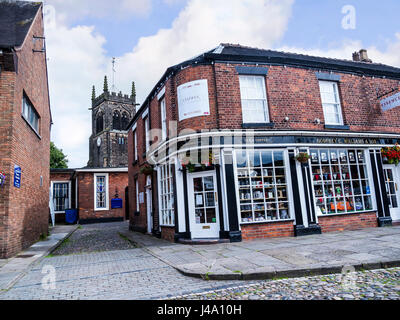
(167, 196)
(254, 99)
(340, 180)
(262, 184)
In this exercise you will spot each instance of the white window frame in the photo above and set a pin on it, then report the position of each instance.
(30, 114)
(135, 142)
(147, 133)
(163, 108)
(263, 99)
(170, 194)
(95, 175)
(338, 104)
(362, 196)
(137, 194)
(288, 183)
(69, 194)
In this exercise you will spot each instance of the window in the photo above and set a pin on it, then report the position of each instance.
(254, 99)
(166, 195)
(124, 121)
(137, 194)
(135, 142)
(99, 122)
(116, 121)
(146, 130)
(61, 196)
(331, 103)
(340, 181)
(101, 191)
(262, 186)
(163, 119)
(29, 113)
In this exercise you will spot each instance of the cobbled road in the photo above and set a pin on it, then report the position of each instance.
(96, 262)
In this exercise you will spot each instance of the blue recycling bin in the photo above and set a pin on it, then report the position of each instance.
(71, 216)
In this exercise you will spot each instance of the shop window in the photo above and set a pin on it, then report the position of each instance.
(166, 195)
(254, 99)
(331, 102)
(137, 194)
(262, 184)
(61, 196)
(340, 181)
(29, 114)
(101, 191)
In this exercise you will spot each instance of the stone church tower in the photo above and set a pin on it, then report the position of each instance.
(111, 114)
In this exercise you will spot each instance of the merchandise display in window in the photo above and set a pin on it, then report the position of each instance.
(263, 191)
(340, 181)
(167, 196)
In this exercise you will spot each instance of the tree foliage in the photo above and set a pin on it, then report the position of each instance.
(58, 160)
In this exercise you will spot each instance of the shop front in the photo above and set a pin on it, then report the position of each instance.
(257, 187)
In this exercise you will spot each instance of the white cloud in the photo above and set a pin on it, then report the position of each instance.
(71, 10)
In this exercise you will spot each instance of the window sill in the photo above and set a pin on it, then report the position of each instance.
(101, 209)
(337, 127)
(258, 125)
(267, 221)
(344, 214)
(30, 126)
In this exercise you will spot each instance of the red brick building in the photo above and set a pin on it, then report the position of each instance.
(98, 194)
(25, 121)
(243, 143)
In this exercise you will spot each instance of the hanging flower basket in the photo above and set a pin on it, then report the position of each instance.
(2, 178)
(392, 154)
(146, 170)
(303, 157)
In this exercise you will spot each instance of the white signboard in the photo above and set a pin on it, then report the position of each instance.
(193, 99)
(390, 102)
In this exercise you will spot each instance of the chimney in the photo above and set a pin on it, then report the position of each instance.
(356, 56)
(364, 56)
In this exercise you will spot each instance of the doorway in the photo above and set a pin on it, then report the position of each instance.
(392, 183)
(203, 205)
(149, 204)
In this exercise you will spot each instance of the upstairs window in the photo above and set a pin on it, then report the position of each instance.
(254, 99)
(331, 103)
(163, 119)
(135, 143)
(147, 133)
(29, 114)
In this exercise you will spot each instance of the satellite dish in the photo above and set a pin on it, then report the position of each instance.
(98, 141)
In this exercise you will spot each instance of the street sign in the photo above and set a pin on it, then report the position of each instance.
(17, 176)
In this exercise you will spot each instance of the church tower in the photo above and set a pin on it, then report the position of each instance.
(111, 114)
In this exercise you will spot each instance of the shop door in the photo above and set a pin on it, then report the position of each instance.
(203, 205)
(392, 181)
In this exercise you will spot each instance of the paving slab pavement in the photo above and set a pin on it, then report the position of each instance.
(370, 248)
(13, 269)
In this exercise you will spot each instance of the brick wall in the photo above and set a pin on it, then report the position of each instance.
(267, 230)
(168, 233)
(24, 212)
(348, 222)
(117, 180)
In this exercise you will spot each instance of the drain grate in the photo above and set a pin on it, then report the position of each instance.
(25, 256)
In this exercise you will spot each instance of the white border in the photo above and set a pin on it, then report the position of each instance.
(95, 175)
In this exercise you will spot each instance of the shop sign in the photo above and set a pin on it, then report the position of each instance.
(390, 102)
(116, 203)
(17, 176)
(193, 100)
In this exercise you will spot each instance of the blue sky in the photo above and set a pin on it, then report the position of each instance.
(148, 36)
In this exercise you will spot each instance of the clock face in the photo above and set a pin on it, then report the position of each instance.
(98, 141)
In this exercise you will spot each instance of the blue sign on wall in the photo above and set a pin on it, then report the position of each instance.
(116, 203)
(17, 176)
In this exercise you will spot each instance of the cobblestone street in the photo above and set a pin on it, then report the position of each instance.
(99, 262)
